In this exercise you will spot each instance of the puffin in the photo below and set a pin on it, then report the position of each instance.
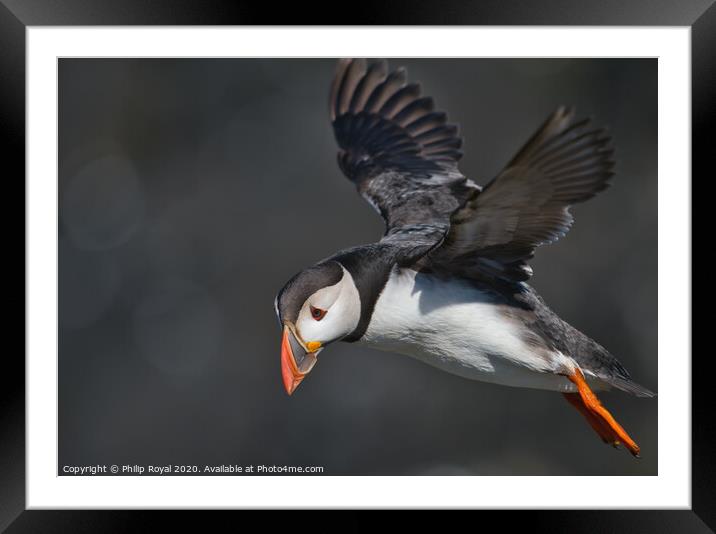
(447, 282)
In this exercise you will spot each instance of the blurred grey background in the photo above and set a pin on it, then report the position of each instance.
(192, 189)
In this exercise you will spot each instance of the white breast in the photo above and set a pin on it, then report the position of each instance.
(451, 324)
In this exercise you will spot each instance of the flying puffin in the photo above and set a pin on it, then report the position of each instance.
(446, 283)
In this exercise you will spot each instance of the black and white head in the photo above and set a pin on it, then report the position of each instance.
(316, 307)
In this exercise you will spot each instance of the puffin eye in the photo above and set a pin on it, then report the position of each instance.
(318, 313)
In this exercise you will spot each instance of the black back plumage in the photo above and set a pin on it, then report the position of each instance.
(403, 157)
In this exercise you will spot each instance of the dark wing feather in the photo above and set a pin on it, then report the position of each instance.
(526, 205)
(400, 153)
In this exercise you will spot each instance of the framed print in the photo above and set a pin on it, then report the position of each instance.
(182, 194)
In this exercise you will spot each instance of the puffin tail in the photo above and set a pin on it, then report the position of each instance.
(628, 385)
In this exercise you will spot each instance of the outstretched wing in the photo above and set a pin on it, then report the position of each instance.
(400, 153)
(527, 204)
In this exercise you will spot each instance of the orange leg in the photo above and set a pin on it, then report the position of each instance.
(597, 415)
(599, 427)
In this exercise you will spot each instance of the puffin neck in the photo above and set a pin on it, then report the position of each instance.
(370, 267)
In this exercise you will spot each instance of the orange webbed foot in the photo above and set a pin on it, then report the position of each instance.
(597, 415)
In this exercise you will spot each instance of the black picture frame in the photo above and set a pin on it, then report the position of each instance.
(16, 15)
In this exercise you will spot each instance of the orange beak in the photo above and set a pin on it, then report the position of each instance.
(296, 361)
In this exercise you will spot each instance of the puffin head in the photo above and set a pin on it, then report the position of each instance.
(316, 307)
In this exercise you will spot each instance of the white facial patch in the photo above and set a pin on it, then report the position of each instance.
(342, 304)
